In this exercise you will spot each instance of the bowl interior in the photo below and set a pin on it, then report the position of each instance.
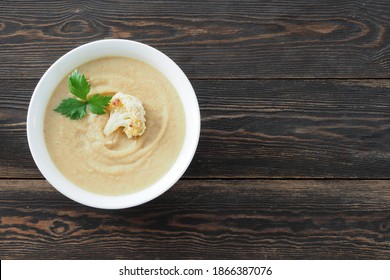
(84, 54)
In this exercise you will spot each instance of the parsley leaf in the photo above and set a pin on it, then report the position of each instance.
(97, 103)
(72, 108)
(78, 85)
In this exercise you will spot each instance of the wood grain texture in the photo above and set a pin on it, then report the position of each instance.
(200, 219)
(208, 39)
(294, 99)
(255, 129)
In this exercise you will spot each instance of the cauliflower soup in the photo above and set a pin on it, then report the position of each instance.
(112, 163)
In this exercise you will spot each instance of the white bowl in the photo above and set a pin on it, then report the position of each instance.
(81, 55)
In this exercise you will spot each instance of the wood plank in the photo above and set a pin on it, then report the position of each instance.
(255, 129)
(208, 39)
(294, 129)
(200, 219)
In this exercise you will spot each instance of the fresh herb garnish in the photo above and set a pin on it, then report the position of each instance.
(74, 108)
(78, 85)
(97, 103)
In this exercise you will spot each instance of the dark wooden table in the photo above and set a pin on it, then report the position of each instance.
(294, 155)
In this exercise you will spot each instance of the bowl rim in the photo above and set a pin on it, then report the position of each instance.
(40, 98)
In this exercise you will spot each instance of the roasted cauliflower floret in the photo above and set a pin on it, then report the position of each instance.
(126, 111)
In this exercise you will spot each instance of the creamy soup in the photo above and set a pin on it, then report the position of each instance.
(115, 164)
